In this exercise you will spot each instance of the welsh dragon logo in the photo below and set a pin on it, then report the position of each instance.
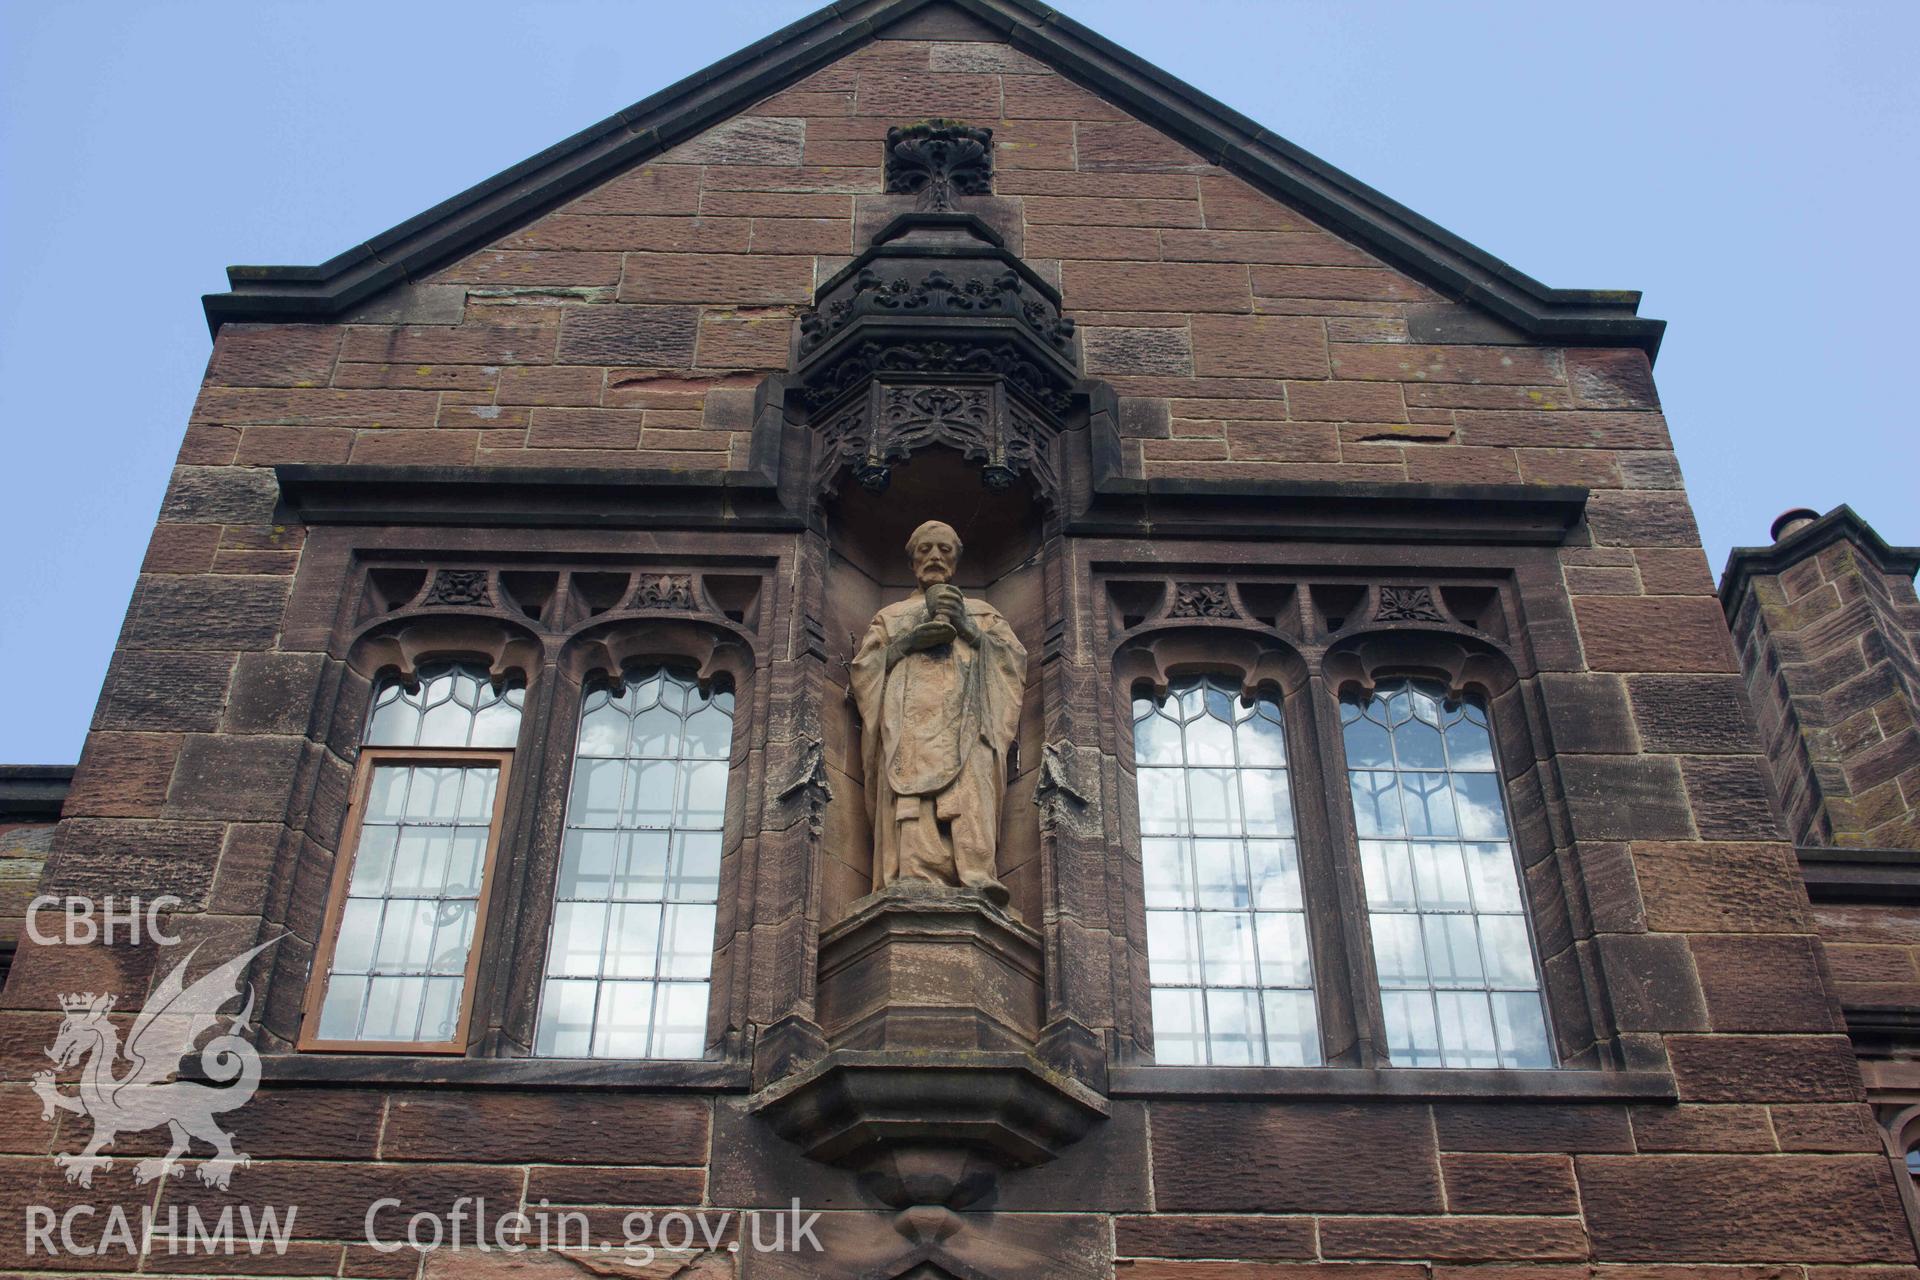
(145, 1095)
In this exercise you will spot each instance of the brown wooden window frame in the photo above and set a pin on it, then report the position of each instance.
(370, 758)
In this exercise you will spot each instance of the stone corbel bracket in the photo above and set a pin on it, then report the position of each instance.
(930, 1087)
(930, 1128)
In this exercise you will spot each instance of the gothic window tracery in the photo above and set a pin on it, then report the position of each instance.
(1378, 787)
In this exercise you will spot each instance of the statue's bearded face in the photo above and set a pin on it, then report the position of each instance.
(935, 552)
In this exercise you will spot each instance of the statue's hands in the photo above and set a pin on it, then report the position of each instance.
(948, 603)
(930, 635)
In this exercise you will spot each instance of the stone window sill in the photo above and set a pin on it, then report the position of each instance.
(1408, 1083)
(658, 1075)
(1223, 1083)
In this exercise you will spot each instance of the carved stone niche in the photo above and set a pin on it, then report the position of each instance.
(934, 353)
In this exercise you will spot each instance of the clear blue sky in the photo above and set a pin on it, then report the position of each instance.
(1751, 166)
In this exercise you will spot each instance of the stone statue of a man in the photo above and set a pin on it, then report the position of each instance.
(938, 680)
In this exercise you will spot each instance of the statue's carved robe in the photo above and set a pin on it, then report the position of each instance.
(937, 729)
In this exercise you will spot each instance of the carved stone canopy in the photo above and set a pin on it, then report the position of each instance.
(935, 335)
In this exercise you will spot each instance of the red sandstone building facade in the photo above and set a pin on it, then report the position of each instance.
(1396, 881)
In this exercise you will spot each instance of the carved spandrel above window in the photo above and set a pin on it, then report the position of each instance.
(1305, 609)
(1407, 604)
(1474, 606)
(557, 600)
(1201, 600)
(1136, 602)
(672, 591)
(938, 160)
(459, 587)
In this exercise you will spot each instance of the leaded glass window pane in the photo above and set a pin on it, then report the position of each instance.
(406, 930)
(398, 967)
(1459, 982)
(1227, 954)
(453, 705)
(631, 950)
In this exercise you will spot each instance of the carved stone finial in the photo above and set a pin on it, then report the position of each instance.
(1067, 784)
(938, 160)
(809, 784)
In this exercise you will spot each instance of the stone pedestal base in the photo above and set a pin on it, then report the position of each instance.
(931, 1004)
(926, 967)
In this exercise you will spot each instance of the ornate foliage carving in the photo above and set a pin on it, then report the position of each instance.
(1407, 604)
(986, 358)
(663, 591)
(1201, 600)
(935, 293)
(465, 588)
(938, 160)
(872, 433)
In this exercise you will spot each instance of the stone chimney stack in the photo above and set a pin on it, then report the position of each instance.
(1828, 632)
